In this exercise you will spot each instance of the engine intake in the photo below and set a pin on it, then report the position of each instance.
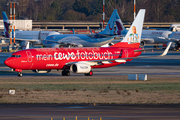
(80, 68)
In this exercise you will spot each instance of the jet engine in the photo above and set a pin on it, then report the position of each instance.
(41, 71)
(55, 45)
(24, 43)
(142, 44)
(174, 45)
(80, 68)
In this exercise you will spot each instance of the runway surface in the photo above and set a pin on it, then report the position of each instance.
(82, 112)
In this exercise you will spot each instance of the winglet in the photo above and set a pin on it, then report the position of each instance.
(27, 46)
(73, 31)
(90, 30)
(166, 50)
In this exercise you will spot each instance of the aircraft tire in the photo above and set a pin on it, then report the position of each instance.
(65, 73)
(89, 74)
(86, 74)
(19, 74)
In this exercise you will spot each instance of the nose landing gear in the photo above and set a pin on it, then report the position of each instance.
(20, 74)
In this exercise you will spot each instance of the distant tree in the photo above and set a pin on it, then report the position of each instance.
(66, 4)
(173, 10)
(96, 18)
(55, 11)
(21, 9)
(31, 11)
(82, 6)
(97, 7)
(74, 16)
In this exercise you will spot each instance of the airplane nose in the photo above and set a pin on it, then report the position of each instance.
(7, 62)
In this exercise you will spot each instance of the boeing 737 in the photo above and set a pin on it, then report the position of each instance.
(83, 40)
(81, 60)
(23, 37)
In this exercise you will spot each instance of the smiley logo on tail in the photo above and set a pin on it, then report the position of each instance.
(133, 37)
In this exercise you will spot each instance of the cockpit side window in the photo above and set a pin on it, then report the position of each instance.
(17, 56)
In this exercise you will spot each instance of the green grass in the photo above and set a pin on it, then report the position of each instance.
(96, 87)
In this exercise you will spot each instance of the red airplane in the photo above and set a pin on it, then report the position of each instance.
(81, 60)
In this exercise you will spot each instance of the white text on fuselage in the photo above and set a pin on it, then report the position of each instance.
(90, 55)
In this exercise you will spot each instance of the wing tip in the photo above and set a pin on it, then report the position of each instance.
(166, 50)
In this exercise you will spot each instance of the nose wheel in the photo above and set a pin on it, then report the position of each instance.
(89, 74)
(19, 74)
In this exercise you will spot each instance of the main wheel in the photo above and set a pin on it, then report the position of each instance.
(20, 74)
(65, 73)
(86, 74)
(89, 74)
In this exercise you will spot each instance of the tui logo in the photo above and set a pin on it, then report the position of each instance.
(110, 27)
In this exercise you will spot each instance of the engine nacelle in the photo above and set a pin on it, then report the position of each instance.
(55, 45)
(41, 71)
(24, 43)
(149, 41)
(142, 44)
(80, 68)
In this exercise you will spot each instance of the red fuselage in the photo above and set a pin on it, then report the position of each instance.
(58, 58)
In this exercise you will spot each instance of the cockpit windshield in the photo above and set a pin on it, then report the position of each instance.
(17, 56)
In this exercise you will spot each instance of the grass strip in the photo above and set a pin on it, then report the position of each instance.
(167, 87)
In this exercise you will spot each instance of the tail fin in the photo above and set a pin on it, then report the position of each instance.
(6, 24)
(133, 37)
(119, 24)
(110, 26)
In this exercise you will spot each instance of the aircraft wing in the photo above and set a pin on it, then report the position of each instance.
(173, 39)
(122, 60)
(19, 39)
(65, 43)
(147, 39)
(163, 54)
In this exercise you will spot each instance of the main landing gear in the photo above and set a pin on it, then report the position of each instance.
(20, 74)
(89, 74)
(65, 73)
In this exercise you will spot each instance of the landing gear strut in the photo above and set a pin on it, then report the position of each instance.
(89, 74)
(65, 73)
(156, 46)
(20, 74)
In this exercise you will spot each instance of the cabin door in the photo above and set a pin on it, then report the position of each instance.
(29, 56)
(125, 54)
